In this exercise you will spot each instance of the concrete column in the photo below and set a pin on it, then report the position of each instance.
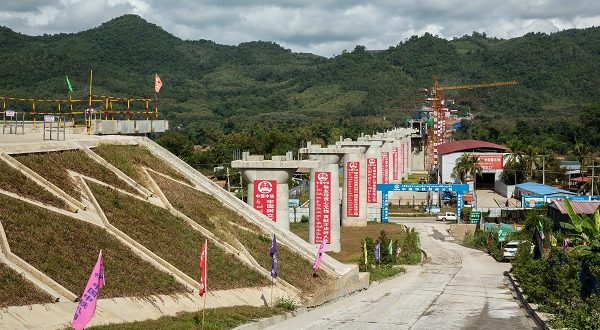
(328, 158)
(279, 169)
(328, 166)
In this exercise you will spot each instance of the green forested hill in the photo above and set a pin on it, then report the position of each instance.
(262, 97)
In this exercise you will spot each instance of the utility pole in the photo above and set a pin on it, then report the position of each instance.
(543, 169)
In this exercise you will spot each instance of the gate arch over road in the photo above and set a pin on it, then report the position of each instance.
(385, 188)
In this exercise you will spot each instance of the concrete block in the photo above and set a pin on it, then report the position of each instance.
(107, 127)
(159, 126)
(126, 126)
(143, 126)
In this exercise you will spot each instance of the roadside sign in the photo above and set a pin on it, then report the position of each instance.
(49, 118)
(502, 235)
(475, 217)
(10, 113)
(293, 202)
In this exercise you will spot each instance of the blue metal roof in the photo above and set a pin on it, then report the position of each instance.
(540, 189)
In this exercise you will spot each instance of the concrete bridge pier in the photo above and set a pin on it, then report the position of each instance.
(324, 220)
(268, 190)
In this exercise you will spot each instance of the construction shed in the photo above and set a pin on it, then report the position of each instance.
(557, 210)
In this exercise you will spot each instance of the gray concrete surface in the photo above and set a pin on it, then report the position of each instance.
(457, 288)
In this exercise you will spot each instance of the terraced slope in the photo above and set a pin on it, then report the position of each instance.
(209, 212)
(15, 290)
(173, 240)
(53, 167)
(130, 160)
(14, 181)
(66, 250)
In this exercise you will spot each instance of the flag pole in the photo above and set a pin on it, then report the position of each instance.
(203, 309)
(272, 281)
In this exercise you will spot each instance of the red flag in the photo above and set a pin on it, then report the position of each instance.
(203, 257)
(317, 262)
(157, 83)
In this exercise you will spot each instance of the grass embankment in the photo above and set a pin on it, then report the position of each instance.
(130, 160)
(16, 182)
(16, 291)
(53, 167)
(213, 215)
(66, 249)
(214, 319)
(174, 240)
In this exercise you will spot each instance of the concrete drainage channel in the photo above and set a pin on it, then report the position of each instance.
(541, 319)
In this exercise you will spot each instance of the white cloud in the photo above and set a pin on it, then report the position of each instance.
(324, 27)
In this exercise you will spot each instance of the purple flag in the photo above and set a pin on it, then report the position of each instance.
(317, 263)
(87, 303)
(378, 251)
(273, 255)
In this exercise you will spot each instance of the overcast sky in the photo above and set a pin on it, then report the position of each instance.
(324, 27)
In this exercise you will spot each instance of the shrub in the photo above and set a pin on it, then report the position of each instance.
(288, 304)
(304, 219)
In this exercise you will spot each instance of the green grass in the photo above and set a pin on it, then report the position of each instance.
(383, 272)
(66, 249)
(214, 319)
(53, 167)
(130, 160)
(209, 212)
(15, 290)
(300, 229)
(174, 240)
(16, 182)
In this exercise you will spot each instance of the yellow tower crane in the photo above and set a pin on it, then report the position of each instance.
(439, 115)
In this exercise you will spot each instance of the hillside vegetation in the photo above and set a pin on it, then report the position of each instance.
(267, 99)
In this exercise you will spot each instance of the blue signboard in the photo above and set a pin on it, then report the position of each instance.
(385, 188)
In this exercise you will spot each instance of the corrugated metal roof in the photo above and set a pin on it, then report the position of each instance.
(466, 145)
(581, 207)
(541, 189)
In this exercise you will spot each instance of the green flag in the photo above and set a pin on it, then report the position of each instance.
(69, 85)
(391, 249)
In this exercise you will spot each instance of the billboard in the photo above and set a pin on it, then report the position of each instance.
(265, 194)
(352, 188)
(322, 206)
(371, 180)
(490, 161)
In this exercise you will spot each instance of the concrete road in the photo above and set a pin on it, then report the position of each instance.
(457, 288)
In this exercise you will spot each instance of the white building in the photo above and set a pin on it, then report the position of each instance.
(491, 158)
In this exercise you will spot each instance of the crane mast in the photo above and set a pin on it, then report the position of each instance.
(438, 131)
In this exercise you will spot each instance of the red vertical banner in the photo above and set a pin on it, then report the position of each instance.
(265, 195)
(322, 182)
(385, 167)
(395, 163)
(371, 180)
(352, 188)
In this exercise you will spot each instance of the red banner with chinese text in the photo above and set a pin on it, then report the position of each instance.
(371, 180)
(490, 161)
(385, 167)
(322, 182)
(353, 188)
(395, 163)
(265, 194)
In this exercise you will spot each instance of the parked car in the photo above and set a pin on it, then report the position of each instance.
(447, 216)
(510, 249)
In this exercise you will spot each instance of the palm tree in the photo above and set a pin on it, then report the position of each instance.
(530, 156)
(582, 152)
(467, 165)
(516, 154)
